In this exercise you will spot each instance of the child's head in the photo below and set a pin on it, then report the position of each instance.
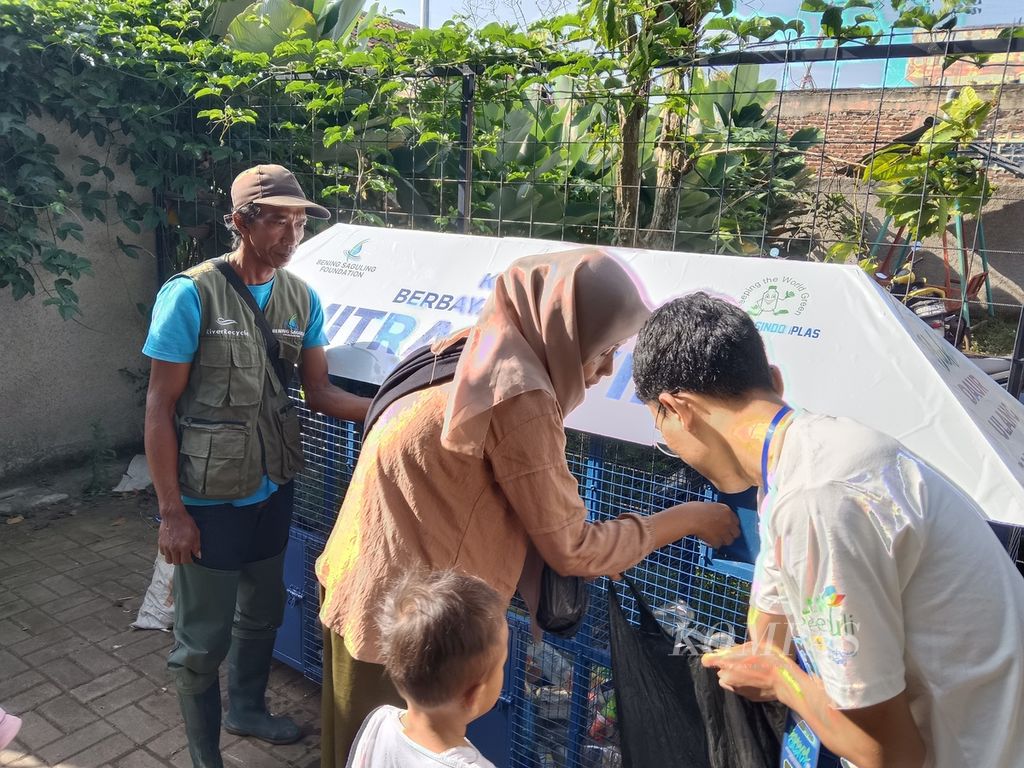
(444, 641)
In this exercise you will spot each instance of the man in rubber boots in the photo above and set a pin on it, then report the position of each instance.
(223, 444)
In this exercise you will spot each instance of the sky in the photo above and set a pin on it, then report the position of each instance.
(991, 11)
(844, 75)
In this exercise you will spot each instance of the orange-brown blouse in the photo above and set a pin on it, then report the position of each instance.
(411, 503)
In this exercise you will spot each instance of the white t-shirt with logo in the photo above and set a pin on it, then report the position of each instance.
(382, 743)
(891, 579)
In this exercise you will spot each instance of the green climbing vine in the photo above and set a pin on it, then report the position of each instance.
(369, 111)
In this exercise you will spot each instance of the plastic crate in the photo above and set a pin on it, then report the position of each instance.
(298, 639)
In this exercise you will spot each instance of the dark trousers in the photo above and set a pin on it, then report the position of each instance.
(351, 690)
(235, 589)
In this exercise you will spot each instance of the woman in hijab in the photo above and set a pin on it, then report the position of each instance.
(471, 474)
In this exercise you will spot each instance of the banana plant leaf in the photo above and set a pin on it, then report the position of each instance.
(264, 25)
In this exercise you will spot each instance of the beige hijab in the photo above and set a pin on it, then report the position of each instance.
(548, 316)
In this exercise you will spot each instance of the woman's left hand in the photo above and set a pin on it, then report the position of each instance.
(711, 522)
(714, 523)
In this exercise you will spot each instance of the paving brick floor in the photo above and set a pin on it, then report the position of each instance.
(93, 692)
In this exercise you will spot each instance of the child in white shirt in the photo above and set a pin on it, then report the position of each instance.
(444, 643)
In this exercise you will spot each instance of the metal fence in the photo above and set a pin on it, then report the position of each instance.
(762, 151)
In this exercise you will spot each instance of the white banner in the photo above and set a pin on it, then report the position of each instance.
(845, 347)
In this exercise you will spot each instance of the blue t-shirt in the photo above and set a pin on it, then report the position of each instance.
(174, 338)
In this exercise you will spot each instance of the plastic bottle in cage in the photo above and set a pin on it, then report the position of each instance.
(719, 639)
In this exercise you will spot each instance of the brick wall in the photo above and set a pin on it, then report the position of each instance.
(857, 121)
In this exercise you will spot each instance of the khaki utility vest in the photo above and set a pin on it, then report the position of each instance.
(235, 420)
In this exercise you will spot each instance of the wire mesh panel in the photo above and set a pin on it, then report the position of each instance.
(331, 448)
(558, 692)
(791, 148)
(312, 630)
(566, 714)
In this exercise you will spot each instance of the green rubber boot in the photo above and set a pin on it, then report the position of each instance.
(248, 671)
(203, 601)
(201, 713)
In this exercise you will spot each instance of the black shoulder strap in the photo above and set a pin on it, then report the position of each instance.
(421, 369)
(273, 347)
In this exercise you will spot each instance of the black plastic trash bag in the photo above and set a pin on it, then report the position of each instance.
(672, 711)
(563, 602)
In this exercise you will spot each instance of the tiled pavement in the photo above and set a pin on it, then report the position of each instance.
(91, 691)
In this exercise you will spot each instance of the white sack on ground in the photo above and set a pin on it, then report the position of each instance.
(136, 477)
(157, 609)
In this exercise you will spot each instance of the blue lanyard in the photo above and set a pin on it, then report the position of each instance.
(768, 442)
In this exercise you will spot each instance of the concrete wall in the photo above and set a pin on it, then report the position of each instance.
(855, 122)
(61, 377)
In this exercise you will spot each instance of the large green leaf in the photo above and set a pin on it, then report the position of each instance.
(519, 123)
(832, 21)
(693, 200)
(339, 17)
(805, 138)
(264, 25)
(556, 157)
(582, 120)
(220, 13)
(748, 88)
(364, 23)
(888, 165)
(703, 104)
(968, 109)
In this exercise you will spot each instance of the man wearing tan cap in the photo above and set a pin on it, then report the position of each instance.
(222, 439)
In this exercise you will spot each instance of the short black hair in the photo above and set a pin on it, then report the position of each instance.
(700, 344)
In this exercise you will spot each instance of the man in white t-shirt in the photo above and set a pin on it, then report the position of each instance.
(897, 595)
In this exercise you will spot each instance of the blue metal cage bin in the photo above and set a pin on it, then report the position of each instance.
(557, 706)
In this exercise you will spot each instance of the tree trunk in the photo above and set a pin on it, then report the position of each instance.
(671, 159)
(627, 187)
(670, 154)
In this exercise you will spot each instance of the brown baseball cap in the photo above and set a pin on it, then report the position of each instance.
(273, 185)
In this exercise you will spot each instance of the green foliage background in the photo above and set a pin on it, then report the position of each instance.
(594, 127)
